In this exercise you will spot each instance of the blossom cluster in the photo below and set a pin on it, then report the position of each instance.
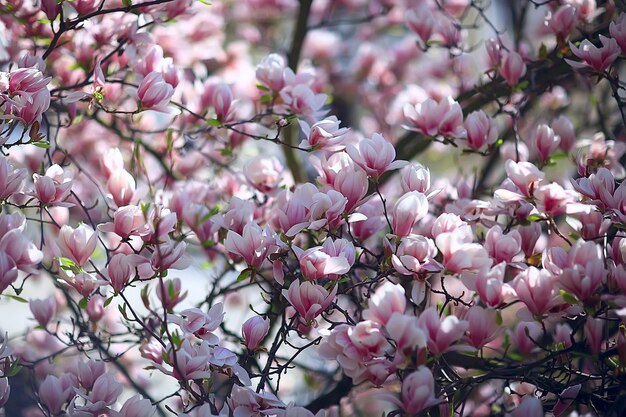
(381, 219)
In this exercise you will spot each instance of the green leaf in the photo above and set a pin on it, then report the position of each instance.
(245, 274)
(16, 298)
(98, 96)
(498, 317)
(83, 303)
(144, 296)
(568, 298)
(535, 218)
(262, 87)
(108, 301)
(266, 98)
(122, 310)
(14, 369)
(127, 3)
(214, 123)
(171, 290)
(44, 145)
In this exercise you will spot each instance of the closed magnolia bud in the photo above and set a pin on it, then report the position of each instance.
(43, 310)
(409, 209)
(415, 177)
(513, 68)
(481, 130)
(254, 331)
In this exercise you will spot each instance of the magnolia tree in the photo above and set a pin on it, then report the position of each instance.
(217, 209)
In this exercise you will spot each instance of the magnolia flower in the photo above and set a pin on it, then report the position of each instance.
(309, 299)
(376, 155)
(593, 57)
(78, 244)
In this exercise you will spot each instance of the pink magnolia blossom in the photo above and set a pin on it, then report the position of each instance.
(303, 101)
(433, 118)
(563, 335)
(442, 334)
(594, 334)
(43, 310)
(333, 258)
(254, 331)
(360, 350)
(525, 336)
(32, 107)
(88, 372)
(375, 155)
(27, 80)
(169, 293)
(121, 186)
(154, 93)
(327, 209)
(617, 29)
(291, 210)
(459, 255)
(121, 269)
(104, 393)
(494, 52)
(53, 187)
(264, 174)
(596, 58)
(564, 129)
(414, 255)
(127, 221)
(421, 21)
(78, 244)
(537, 290)
(253, 245)
(8, 271)
(53, 395)
(200, 324)
(271, 72)
(408, 210)
(566, 397)
(524, 176)
(489, 284)
(137, 406)
(222, 102)
(170, 255)
(418, 392)
(482, 326)
(501, 247)
(481, 130)
(563, 21)
(246, 403)
(389, 298)
(513, 68)
(352, 184)
(323, 135)
(415, 177)
(404, 330)
(309, 299)
(545, 141)
(95, 307)
(11, 180)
